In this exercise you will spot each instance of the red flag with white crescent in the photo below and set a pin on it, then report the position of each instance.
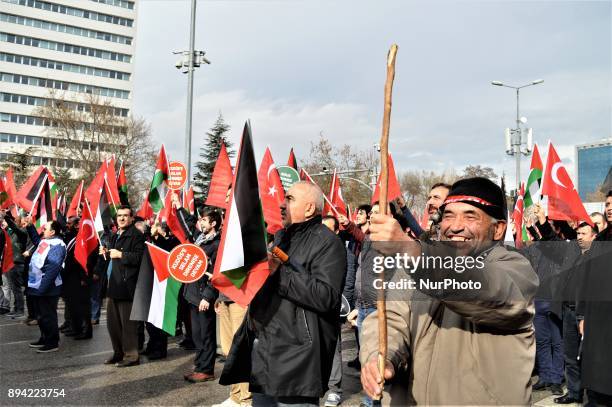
(86, 240)
(271, 192)
(564, 203)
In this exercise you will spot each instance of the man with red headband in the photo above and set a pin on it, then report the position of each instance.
(459, 311)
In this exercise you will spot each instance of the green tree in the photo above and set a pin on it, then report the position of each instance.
(208, 156)
(22, 165)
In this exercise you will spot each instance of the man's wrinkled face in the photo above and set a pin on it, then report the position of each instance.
(124, 218)
(140, 225)
(361, 218)
(435, 199)
(585, 236)
(470, 227)
(298, 206)
(599, 221)
(609, 209)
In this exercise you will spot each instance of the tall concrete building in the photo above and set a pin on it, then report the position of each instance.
(594, 167)
(77, 47)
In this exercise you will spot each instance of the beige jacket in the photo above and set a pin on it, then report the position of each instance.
(450, 351)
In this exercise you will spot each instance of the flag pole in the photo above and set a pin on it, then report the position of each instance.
(381, 305)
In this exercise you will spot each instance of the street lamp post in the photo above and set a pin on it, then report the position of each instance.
(514, 137)
(191, 59)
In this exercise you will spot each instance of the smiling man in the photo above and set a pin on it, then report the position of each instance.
(448, 345)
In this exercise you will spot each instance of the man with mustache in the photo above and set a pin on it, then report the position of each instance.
(456, 346)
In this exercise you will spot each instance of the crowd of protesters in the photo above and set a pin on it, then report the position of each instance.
(539, 312)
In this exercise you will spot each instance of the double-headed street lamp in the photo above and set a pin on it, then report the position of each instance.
(514, 137)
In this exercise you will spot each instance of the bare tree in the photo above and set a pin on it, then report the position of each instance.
(92, 129)
(324, 157)
(417, 184)
(479, 171)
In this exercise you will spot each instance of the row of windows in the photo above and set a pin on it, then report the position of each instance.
(36, 101)
(118, 3)
(64, 66)
(63, 28)
(53, 142)
(69, 86)
(51, 161)
(63, 47)
(40, 121)
(72, 11)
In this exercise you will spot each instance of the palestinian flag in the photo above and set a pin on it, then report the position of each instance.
(122, 186)
(292, 161)
(534, 181)
(31, 190)
(43, 210)
(242, 267)
(157, 191)
(156, 295)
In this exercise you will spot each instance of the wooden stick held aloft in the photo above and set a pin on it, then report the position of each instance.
(381, 305)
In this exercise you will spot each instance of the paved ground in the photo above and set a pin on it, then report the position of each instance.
(77, 368)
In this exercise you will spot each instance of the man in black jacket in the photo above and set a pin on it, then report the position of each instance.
(201, 296)
(293, 320)
(125, 251)
(18, 275)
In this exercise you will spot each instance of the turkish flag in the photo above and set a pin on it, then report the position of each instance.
(271, 192)
(563, 200)
(393, 187)
(336, 202)
(517, 216)
(188, 200)
(221, 180)
(86, 239)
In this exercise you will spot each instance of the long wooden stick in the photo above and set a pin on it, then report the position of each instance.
(381, 306)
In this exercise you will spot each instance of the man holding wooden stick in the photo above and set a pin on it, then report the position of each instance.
(459, 331)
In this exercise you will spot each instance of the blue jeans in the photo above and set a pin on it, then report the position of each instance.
(549, 346)
(362, 313)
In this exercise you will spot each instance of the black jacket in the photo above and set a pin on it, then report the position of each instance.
(124, 274)
(19, 238)
(294, 317)
(203, 289)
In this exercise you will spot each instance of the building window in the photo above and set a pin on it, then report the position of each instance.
(63, 47)
(72, 11)
(72, 87)
(64, 66)
(68, 29)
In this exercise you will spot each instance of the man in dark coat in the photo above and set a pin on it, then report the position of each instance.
(293, 320)
(18, 275)
(595, 308)
(125, 251)
(201, 296)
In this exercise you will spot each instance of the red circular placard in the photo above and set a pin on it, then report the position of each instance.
(177, 176)
(187, 263)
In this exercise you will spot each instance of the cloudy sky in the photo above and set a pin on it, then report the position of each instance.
(299, 68)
